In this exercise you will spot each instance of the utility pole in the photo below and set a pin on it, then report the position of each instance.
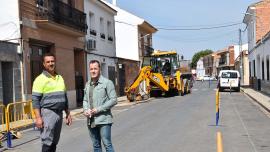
(241, 56)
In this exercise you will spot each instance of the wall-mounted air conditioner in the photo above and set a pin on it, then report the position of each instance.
(91, 44)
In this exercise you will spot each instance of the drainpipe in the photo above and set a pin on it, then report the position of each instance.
(21, 53)
(22, 71)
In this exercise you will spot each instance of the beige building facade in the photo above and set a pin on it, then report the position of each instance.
(58, 27)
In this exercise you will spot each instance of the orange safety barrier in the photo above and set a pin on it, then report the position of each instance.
(18, 115)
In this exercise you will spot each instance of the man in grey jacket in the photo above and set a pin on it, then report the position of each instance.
(99, 98)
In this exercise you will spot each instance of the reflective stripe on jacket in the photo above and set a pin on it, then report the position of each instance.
(49, 92)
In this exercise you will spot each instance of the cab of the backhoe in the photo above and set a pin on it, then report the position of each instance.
(164, 64)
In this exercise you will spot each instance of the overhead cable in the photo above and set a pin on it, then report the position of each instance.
(187, 29)
(196, 29)
(206, 39)
(197, 25)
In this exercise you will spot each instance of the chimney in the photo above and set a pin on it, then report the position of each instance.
(114, 2)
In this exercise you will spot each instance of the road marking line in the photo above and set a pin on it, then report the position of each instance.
(219, 142)
(245, 128)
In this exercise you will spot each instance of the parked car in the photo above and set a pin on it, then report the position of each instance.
(199, 78)
(229, 79)
(208, 77)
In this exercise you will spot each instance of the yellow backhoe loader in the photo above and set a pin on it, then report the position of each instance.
(160, 75)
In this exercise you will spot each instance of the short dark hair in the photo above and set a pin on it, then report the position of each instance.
(47, 54)
(94, 61)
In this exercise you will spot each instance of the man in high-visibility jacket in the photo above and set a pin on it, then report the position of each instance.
(49, 100)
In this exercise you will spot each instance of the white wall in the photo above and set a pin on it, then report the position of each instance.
(103, 60)
(105, 49)
(251, 34)
(251, 30)
(200, 71)
(236, 49)
(259, 54)
(103, 46)
(9, 20)
(126, 31)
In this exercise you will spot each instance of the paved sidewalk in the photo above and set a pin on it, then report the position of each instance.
(259, 97)
(121, 100)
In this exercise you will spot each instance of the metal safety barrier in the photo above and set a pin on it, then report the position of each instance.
(17, 115)
(2, 118)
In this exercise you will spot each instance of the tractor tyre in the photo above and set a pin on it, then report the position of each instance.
(155, 93)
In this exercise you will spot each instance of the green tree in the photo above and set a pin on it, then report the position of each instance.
(198, 55)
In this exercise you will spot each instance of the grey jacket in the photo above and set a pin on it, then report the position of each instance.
(104, 98)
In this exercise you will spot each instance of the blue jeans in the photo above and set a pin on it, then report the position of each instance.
(101, 132)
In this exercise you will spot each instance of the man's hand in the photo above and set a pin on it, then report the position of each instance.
(87, 113)
(68, 119)
(94, 111)
(39, 122)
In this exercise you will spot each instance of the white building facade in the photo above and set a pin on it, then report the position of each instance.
(133, 42)
(259, 58)
(10, 21)
(238, 49)
(100, 38)
(11, 82)
(200, 71)
(257, 19)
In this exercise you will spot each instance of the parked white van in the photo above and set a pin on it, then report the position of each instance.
(229, 79)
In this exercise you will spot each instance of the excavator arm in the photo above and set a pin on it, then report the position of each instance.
(158, 80)
(146, 74)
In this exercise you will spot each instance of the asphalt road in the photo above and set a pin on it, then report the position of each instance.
(175, 124)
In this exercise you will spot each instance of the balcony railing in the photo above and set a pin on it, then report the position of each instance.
(102, 35)
(147, 50)
(110, 38)
(222, 62)
(93, 32)
(62, 13)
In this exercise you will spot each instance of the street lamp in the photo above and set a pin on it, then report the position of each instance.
(241, 57)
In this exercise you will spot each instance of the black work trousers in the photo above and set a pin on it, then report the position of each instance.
(46, 148)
